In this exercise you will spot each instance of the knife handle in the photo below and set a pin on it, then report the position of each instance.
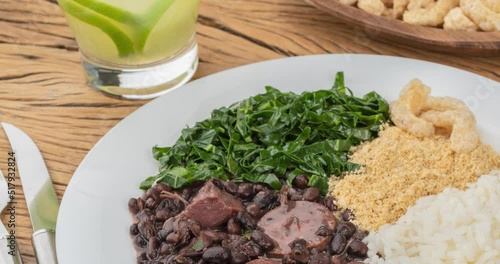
(44, 244)
(9, 251)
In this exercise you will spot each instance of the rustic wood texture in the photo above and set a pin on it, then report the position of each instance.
(42, 87)
(454, 42)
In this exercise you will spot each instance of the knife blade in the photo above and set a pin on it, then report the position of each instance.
(39, 193)
(9, 250)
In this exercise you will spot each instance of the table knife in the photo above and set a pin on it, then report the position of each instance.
(39, 193)
(9, 250)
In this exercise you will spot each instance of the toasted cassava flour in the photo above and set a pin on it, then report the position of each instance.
(398, 168)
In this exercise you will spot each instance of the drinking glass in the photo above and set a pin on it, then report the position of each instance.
(135, 49)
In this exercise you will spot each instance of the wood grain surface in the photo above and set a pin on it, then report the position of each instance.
(429, 38)
(42, 87)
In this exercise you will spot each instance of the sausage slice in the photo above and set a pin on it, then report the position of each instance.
(294, 220)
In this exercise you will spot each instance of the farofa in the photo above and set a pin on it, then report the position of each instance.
(400, 168)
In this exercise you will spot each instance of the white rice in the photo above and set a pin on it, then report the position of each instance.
(453, 227)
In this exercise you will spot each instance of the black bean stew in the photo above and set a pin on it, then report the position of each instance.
(226, 222)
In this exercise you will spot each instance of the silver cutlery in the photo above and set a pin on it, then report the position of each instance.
(39, 193)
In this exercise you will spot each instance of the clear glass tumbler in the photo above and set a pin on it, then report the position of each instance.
(135, 49)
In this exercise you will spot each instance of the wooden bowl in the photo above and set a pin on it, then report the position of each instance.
(460, 43)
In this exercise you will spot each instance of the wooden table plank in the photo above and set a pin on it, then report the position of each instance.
(42, 87)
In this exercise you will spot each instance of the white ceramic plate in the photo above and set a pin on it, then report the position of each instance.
(94, 220)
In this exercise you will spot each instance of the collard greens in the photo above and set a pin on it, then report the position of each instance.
(273, 137)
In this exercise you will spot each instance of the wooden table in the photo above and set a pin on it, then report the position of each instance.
(43, 91)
